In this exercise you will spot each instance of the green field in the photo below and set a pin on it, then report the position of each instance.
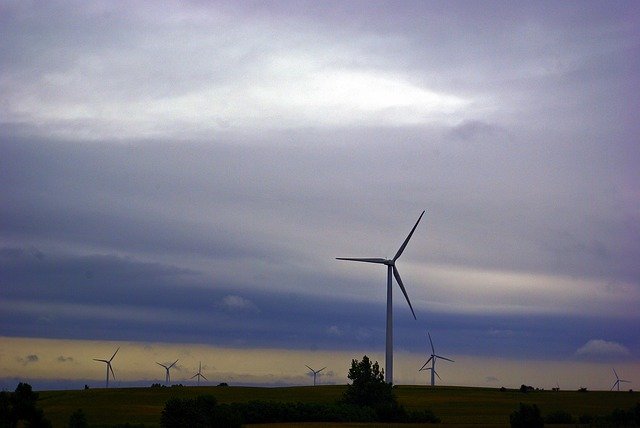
(455, 406)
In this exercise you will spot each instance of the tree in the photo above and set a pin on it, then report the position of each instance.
(196, 412)
(526, 417)
(368, 387)
(20, 406)
(78, 420)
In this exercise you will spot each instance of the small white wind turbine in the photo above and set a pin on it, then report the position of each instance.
(199, 374)
(167, 377)
(315, 373)
(108, 363)
(618, 381)
(432, 360)
(391, 270)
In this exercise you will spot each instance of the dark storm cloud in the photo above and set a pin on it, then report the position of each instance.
(129, 300)
(223, 203)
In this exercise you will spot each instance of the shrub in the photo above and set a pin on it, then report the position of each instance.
(558, 417)
(585, 419)
(197, 412)
(526, 388)
(619, 418)
(202, 412)
(421, 416)
(390, 412)
(368, 399)
(78, 420)
(526, 417)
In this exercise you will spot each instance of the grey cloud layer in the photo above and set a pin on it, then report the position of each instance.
(190, 148)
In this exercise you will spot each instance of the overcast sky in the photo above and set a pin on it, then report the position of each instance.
(187, 172)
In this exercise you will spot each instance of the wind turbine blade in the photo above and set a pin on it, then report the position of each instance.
(203, 376)
(396, 274)
(114, 354)
(104, 361)
(365, 260)
(112, 373)
(197, 374)
(425, 364)
(433, 351)
(162, 365)
(437, 375)
(406, 241)
(614, 385)
(443, 358)
(616, 373)
(309, 368)
(173, 364)
(325, 368)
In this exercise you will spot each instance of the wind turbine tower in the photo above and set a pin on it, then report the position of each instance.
(199, 374)
(391, 270)
(618, 381)
(315, 373)
(108, 363)
(167, 377)
(432, 360)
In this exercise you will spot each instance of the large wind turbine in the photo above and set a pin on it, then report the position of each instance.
(315, 372)
(167, 377)
(432, 359)
(618, 381)
(199, 374)
(108, 363)
(391, 270)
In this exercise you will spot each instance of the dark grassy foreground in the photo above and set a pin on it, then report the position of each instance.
(455, 406)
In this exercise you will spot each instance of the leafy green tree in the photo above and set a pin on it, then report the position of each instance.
(368, 387)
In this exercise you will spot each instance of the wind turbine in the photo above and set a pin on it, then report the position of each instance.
(618, 381)
(315, 372)
(433, 359)
(391, 269)
(199, 374)
(108, 363)
(167, 377)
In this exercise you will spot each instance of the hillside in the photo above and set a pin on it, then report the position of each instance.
(456, 406)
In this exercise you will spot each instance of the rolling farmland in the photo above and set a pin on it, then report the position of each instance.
(455, 406)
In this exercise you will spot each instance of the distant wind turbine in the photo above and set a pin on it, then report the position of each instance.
(618, 381)
(391, 269)
(432, 359)
(167, 377)
(315, 372)
(199, 374)
(108, 363)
